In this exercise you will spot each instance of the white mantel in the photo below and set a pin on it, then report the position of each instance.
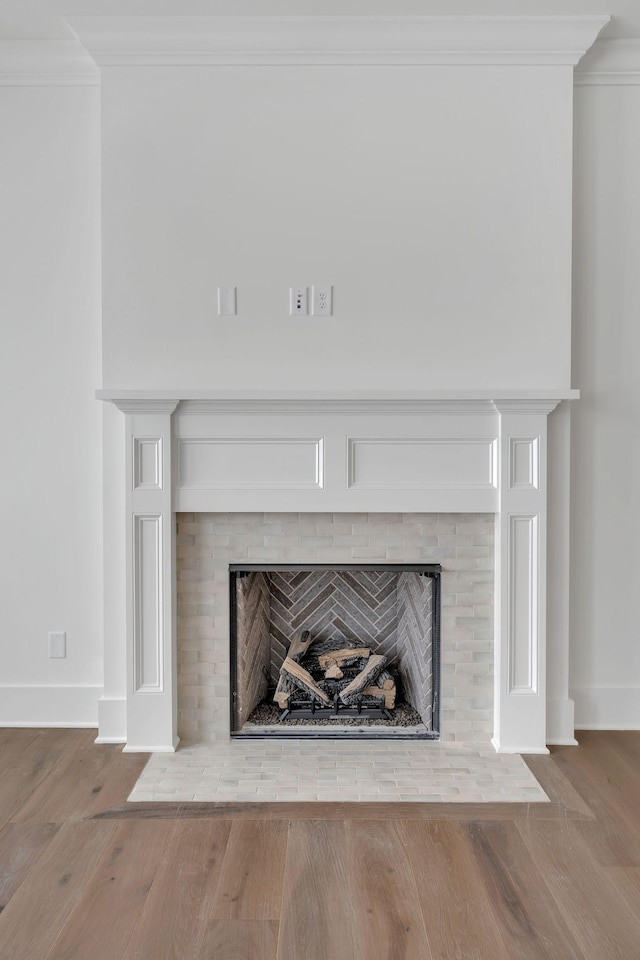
(404, 452)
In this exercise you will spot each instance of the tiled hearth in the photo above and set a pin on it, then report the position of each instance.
(302, 770)
(462, 543)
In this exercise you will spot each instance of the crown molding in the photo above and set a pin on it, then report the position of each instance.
(463, 402)
(46, 63)
(337, 40)
(610, 63)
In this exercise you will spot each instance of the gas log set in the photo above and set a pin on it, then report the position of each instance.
(323, 680)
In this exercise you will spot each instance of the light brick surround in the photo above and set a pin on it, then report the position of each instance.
(461, 543)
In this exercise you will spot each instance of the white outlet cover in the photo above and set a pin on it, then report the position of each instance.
(322, 300)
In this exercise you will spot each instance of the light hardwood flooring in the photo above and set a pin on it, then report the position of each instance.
(86, 875)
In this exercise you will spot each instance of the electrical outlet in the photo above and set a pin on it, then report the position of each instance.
(321, 300)
(58, 644)
(298, 301)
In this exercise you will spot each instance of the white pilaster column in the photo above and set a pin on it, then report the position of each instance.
(521, 572)
(150, 573)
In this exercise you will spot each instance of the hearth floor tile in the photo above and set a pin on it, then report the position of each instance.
(307, 771)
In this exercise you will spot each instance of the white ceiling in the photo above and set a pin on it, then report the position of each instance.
(45, 18)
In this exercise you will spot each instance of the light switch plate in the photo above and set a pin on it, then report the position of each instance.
(57, 644)
(227, 301)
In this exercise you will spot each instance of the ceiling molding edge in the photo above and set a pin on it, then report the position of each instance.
(337, 40)
(610, 63)
(46, 63)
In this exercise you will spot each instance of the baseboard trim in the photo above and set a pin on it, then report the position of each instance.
(112, 720)
(560, 722)
(162, 748)
(608, 726)
(607, 708)
(49, 706)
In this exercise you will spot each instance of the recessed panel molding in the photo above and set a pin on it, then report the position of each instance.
(523, 604)
(147, 463)
(148, 633)
(251, 463)
(418, 462)
(524, 470)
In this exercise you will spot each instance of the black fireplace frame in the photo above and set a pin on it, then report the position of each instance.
(431, 570)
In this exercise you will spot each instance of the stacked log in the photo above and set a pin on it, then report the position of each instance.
(371, 682)
(286, 684)
(366, 676)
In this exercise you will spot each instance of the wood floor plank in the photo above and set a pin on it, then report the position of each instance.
(172, 921)
(115, 779)
(627, 742)
(40, 909)
(386, 916)
(250, 885)
(457, 914)
(615, 777)
(239, 940)
(110, 880)
(13, 742)
(316, 916)
(29, 766)
(608, 833)
(595, 907)
(104, 918)
(68, 792)
(559, 790)
(336, 811)
(21, 845)
(528, 919)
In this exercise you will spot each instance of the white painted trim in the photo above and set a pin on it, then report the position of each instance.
(560, 722)
(46, 63)
(112, 720)
(252, 479)
(148, 604)
(608, 726)
(49, 705)
(336, 40)
(522, 606)
(514, 748)
(607, 708)
(610, 63)
(391, 446)
(136, 748)
(121, 397)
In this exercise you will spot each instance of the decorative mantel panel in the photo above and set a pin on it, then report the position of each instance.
(454, 453)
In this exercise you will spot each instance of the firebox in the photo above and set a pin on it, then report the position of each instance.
(335, 650)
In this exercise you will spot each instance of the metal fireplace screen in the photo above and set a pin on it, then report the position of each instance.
(318, 646)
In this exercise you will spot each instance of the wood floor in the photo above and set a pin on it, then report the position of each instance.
(84, 875)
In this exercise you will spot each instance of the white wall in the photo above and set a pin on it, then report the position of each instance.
(437, 201)
(50, 509)
(605, 596)
(50, 560)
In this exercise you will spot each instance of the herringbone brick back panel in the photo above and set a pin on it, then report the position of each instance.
(334, 605)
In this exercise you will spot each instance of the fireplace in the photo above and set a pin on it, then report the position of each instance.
(254, 464)
(326, 649)
(213, 548)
